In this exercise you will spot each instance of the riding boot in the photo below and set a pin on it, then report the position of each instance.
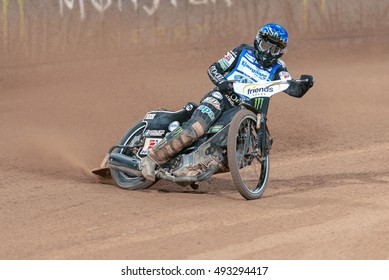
(170, 146)
(148, 165)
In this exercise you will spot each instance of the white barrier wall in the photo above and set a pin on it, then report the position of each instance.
(42, 31)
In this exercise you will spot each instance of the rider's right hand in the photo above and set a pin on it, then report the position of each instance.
(225, 87)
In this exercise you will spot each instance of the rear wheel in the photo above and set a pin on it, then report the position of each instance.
(249, 172)
(125, 180)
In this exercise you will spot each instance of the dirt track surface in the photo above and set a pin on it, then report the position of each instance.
(327, 197)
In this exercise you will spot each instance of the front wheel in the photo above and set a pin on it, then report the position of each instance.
(249, 172)
(125, 180)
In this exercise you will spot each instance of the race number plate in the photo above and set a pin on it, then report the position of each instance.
(149, 143)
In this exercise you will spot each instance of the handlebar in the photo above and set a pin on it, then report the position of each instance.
(262, 88)
(280, 81)
(276, 82)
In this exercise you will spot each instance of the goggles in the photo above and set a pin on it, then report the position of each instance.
(266, 46)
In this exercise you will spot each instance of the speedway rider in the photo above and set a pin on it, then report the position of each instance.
(246, 63)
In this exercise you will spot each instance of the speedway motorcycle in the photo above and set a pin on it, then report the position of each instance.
(238, 142)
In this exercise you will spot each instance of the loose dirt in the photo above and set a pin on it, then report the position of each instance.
(327, 197)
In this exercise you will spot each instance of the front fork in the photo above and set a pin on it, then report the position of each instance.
(263, 145)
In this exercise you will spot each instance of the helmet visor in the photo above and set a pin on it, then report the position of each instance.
(265, 46)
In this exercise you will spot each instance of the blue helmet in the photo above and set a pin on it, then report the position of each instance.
(270, 44)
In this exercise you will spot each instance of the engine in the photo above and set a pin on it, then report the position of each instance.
(197, 162)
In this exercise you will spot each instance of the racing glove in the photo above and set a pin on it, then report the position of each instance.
(307, 82)
(226, 87)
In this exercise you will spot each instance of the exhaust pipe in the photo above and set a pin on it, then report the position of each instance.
(124, 163)
(190, 179)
